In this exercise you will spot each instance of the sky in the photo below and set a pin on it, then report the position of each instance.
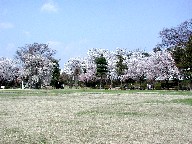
(72, 27)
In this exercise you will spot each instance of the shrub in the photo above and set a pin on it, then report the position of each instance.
(143, 86)
(107, 87)
(157, 86)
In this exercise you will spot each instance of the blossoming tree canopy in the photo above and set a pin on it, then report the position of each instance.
(9, 70)
(36, 60)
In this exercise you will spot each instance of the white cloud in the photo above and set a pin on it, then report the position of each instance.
(6, 25)
(49, 6)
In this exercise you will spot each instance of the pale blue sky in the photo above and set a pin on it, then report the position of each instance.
(74, 26)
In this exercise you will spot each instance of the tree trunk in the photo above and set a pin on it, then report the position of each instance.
(167, 84)
(111, 84)
(121, 84)
(100, 85)
(76, 85)
(190, 85)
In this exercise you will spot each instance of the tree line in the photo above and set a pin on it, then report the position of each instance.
(170, 61)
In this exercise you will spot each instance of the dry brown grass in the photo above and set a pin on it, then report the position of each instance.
(95, 118)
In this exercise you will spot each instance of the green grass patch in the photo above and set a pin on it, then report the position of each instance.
(3, 113)
(59, 92)
(187, 101)
(174, 92)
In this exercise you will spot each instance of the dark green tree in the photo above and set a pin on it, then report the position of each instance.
(179, 41)
(183, 60)
(176, 36)
(55, 74)
(102, 69)
(120, 66)
(64, 78)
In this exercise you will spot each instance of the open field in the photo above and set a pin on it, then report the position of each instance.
(95, 116)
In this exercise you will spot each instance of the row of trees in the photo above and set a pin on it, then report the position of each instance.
(34, 64)
(170, 60)
(121, 66)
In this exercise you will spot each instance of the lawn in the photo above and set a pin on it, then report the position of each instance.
(95, 116)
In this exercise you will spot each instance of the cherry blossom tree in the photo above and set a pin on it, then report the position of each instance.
(161, 66)
(74, 67)
(88, 71)
(87, 66)
(136, 66)
(36, 60)
(9, 70)
(111, 60)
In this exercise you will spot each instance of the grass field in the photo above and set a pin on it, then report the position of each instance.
(95, 116)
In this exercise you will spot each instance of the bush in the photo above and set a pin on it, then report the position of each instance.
(123, 87)
(143, 86)
(131, 87)
(176, 87)
(184, 85)
(107, 87)
(157, 86)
